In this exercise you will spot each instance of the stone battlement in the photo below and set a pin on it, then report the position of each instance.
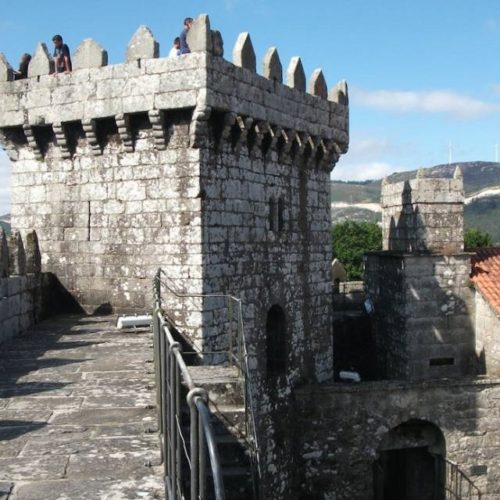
(20, 283)
(423, 214)
(95, 98)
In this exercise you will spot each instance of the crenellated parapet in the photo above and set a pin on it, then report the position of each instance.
(96, 99)
(424, 214)
(18, 256)
(20, 283)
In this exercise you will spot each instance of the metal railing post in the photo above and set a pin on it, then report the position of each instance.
(202, 451)
(195, 439)
(165, 402)
(171, 416)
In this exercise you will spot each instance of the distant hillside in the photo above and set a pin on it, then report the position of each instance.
(481, 185)
(478, 175)
(5, 223)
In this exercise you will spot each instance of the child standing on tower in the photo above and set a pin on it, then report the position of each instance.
(62, 58)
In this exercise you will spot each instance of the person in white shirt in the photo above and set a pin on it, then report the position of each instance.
(176, 48)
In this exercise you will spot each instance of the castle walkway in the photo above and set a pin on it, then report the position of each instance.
(77, 416)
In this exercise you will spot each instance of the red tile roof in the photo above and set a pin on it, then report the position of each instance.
(486, 274)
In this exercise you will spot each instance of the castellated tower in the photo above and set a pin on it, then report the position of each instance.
(420, 282)
(200, 166)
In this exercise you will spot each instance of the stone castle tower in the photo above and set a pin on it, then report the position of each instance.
(420, 282)
(200, 166)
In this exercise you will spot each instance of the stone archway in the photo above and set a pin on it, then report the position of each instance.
(410, 463)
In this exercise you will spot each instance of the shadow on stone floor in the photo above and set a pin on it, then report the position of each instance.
(12, 429)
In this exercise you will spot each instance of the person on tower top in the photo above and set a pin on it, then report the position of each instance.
(176, 48)
(184, 48)
(22, 72)
(62, 58)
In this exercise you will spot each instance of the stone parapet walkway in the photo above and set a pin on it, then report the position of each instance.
(77, 415)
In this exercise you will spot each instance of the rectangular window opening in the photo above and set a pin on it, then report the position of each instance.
(441, 361)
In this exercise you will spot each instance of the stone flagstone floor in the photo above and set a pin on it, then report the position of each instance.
(77, 416)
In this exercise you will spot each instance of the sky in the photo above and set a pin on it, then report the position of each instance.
(423, 75)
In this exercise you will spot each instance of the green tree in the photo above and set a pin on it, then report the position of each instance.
(475, 238)
(351, 240)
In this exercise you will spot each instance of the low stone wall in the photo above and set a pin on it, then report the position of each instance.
(487, 325)
(350, 295)
(19, 304)
(343, 427)
(20, 284)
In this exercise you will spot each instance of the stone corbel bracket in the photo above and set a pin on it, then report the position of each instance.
(30, 137)
(157, 120)
(123, 124)
(198, 132)
(89, 127)
(61, 140)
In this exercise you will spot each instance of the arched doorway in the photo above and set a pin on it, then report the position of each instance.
(276, 341)
(410, 464)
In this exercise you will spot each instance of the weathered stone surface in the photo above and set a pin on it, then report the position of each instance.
(147, 488)
(17, 255)
(243, 53)
(33, 256)
(344, 428)
(41, 63)
(339, 94)
(54, 448)
(143, 45)
(199, 37)
(487, 327)
(317, 84)
(271, 66)
(296, 77)
(426, 214)
(422, 304)
(89, 54)
(6, 73)
(5, 489)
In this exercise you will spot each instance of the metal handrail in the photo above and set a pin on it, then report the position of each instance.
(170, 368)
(238, 359)
(457, 485)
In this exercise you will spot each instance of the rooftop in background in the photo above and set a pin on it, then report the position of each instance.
(486, 275)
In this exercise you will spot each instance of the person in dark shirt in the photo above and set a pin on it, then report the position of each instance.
(22, 72)
(184, 48)
(62, 58)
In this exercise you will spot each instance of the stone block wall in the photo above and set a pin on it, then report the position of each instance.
(342, 429)
(424, 315)
(20, 284)
(423, 215)
(487, 325)
(110, 157)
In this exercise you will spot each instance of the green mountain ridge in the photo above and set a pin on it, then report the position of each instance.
(478, 175)
(482, 213)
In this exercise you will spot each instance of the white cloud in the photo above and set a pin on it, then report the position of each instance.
(492, 25)
(231, 4)
(363, 171)
(366, 159)
(436, 101)
(4, 184)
